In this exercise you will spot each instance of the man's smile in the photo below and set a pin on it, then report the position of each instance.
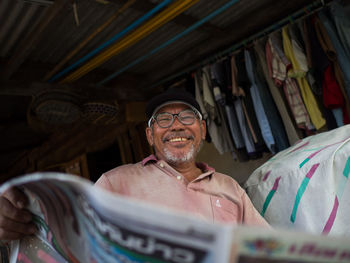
(178, 139)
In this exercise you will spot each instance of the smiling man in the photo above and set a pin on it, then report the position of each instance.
(171, 177)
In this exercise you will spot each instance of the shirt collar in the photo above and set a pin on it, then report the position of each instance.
(203, 166)
(151, 158)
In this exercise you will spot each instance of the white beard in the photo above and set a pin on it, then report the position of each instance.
(172, 158)
(185, 157)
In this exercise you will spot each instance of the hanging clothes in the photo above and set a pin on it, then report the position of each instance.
(331, 53)
(318, 54)
(333, 57)
(278, 66)
(244, 125)
(236, 125)
(343, 59)
(299, 29)
(238, 93)
(292, 134)
(333, 98)
(216, 80)
(274, 118)
(223, 92)
(258, 105)
(307, 44)
(243, 87)
(225, 104)
(315, 74)
(235, 128)
(340, 13)
(210, 112)
(295, 54)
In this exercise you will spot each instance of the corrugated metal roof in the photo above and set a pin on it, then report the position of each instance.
(17, 19)
(62, 35)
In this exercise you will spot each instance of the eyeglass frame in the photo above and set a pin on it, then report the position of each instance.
(195, 111)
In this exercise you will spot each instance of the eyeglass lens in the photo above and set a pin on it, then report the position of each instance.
(166, 119)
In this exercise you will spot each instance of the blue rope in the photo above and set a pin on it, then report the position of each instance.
(170, 41)
(112, 40)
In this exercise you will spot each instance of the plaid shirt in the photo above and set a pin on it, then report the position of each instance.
(296, 104)
(278, 68)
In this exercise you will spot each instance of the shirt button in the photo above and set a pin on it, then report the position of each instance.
(178, 177)
(161, 165)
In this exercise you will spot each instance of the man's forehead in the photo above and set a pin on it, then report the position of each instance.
(176, 106)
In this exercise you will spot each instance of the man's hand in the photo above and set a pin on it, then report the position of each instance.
(15, 220)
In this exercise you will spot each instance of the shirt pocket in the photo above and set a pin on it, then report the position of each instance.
(224, 210)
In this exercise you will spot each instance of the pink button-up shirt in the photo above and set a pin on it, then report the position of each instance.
(211, 195)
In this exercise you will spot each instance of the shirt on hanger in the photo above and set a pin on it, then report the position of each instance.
(205, 99)
(258, 106)
(279, 65)
(343, 59)
(292, 134)
(294, 53)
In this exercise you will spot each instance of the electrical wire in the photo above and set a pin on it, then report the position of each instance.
(111, 40)
(88, 39)
(170, 41)
(165, 16)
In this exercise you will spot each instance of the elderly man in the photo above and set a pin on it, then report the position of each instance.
(169, 178)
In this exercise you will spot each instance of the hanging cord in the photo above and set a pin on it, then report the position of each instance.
(75, 11)
(89, 38)
(170, 41)
(111, 40)
(301, 14)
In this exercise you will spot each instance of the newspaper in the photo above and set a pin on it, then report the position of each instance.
(78, 222)
(281, 246)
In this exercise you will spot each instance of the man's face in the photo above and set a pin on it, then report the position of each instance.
(178, 143)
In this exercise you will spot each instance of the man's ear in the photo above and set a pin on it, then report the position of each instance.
(203, 129)
(149, 135)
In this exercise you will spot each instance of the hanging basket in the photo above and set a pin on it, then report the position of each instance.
(101, 113)
(56, 107)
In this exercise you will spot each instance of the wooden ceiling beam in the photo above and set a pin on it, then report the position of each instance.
(18, 88)
(124, 90)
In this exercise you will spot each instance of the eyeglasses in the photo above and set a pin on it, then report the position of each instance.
(165, 119)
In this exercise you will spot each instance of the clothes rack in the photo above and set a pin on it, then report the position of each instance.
(298, 15)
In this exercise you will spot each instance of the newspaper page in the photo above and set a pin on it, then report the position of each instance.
(79, 222)
(280, 246)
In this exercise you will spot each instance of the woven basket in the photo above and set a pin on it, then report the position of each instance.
(101, 112)
(56, 107)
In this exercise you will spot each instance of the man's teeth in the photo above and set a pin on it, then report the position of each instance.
(178, 139)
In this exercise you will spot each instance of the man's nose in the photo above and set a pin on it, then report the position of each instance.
(176, 123)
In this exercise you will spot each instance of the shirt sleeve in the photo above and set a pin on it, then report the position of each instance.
(104, 182)
(250, 215)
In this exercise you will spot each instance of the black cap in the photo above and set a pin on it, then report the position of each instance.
(169, 97)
